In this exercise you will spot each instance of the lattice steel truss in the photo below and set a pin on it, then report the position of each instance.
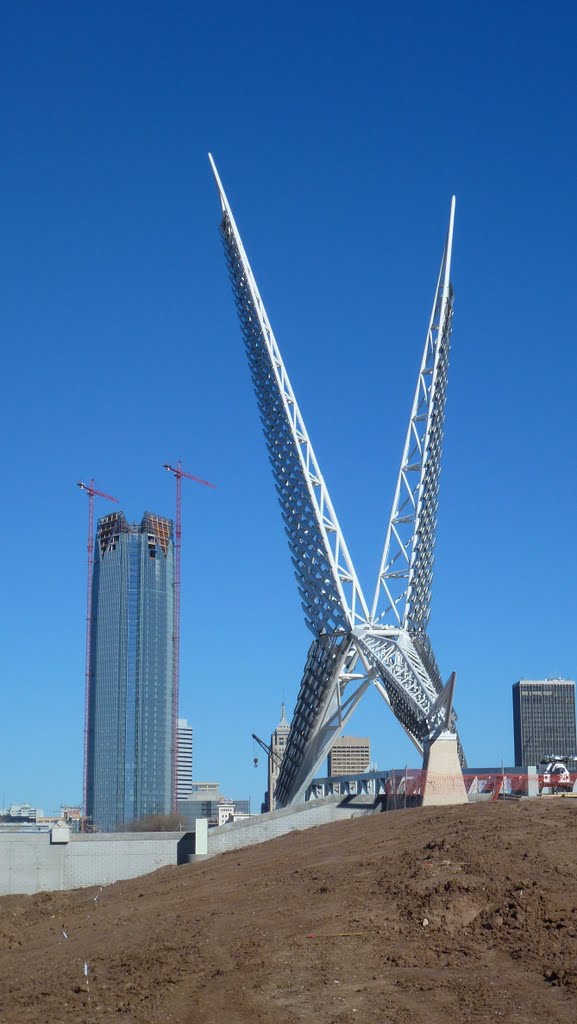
(353, 648)
(406, 571)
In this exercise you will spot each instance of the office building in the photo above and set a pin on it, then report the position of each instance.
(130, 728)
(183, 759)
(350, 755)
(278, 742)
(543, 720)
(206, 801)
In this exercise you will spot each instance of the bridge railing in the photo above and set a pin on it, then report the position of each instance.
(404, 787)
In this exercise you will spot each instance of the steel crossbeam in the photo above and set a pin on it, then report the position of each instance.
(352, 648)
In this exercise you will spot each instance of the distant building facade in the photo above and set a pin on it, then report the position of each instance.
(130, 742)
(206, 801)
(350, 755)
(543, 720)
(183, 759)
(278, 743)
(25, 812)
(232, 812)
(26, 818)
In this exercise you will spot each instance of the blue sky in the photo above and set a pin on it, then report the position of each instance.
(340, 133)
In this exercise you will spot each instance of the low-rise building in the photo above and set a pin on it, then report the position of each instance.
(206, 801)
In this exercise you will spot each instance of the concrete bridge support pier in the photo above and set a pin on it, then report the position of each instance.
(443, 783)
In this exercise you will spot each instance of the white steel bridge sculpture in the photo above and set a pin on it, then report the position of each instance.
(354, 646)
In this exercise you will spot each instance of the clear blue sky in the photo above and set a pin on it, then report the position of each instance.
(340, 132)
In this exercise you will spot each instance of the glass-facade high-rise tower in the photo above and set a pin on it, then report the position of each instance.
(131, 703)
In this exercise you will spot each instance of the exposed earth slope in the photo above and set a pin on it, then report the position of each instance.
(431, 916)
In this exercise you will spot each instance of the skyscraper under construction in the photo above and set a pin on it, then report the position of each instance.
(131, 703)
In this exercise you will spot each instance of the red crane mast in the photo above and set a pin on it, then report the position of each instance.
(178, 472)
(91, 492)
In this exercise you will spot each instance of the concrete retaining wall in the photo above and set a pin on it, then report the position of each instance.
(259, 829)
(31, 863)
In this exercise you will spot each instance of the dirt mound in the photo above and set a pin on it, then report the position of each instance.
(464, 914)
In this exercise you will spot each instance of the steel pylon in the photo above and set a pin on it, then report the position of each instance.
(353, 648)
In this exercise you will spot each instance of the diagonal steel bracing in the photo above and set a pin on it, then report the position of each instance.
(403, 591)
(352, 648)
(330, 592)
(329, 693)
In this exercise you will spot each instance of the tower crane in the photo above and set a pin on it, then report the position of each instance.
(179, 473)
(92, 492)
(268, 751)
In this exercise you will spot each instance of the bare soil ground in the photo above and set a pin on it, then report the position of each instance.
(428, 916)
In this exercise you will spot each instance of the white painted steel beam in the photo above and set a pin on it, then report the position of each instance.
(403, 590)
(328, 584)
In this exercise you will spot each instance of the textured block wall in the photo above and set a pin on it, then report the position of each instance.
(30, 863)
(278, 823)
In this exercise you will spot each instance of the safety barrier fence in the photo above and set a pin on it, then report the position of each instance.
(404, 787)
